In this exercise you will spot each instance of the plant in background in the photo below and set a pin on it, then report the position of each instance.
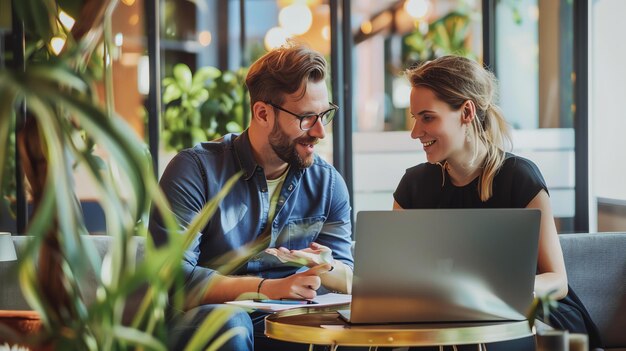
(201, 106)
(64, 116)
(447, 35)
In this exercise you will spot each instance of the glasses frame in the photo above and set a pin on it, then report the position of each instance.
(317, 116)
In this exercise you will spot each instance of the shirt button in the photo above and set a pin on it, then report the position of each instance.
(290, 188)
(264, 190)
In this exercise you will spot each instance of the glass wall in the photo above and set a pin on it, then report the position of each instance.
(534, 65)
(389, 37)
(607, 118)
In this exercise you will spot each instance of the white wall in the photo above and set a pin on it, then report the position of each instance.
(380, 159)
(607, 119)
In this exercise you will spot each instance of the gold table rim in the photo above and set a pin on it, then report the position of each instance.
(389, 334)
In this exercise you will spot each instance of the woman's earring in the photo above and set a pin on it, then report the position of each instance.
(468, 137)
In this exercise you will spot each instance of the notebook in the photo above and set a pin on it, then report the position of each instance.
(444, 265)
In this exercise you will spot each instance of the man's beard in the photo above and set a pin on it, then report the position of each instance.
(285, 149)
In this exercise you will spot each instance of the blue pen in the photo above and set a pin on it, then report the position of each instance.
(286, 301)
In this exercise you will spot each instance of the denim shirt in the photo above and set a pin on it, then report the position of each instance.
(313, 206)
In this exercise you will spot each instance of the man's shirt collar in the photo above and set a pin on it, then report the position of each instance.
(243, 151)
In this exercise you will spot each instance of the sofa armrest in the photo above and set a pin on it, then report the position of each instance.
(596, 270)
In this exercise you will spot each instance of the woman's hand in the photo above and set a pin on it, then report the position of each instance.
(312, 256)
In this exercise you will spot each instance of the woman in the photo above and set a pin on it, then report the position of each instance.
(464, 136)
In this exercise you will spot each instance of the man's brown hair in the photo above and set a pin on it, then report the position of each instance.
(284, 71)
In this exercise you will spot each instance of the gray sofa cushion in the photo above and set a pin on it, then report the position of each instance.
(596, 270)
(11, 297)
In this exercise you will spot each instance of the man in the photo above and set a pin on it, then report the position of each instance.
(288, 200)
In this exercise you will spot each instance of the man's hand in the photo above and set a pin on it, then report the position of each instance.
(302, 285)
(312, 256)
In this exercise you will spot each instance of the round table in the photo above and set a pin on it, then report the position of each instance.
(323, 326)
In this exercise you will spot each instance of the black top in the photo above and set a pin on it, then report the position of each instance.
(517, 182)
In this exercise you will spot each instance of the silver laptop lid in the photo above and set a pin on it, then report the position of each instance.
(444, 265)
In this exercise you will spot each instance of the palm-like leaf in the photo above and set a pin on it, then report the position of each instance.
(59, 99)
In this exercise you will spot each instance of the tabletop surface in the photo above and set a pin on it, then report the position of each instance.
(323, 326)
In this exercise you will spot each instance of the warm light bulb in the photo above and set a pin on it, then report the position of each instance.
(204, 38)
(417, 8)
(296, 19)
(66, 20)
(326, 32)
(366, 27)
(275, 37)
(133, 20)
(57, 44)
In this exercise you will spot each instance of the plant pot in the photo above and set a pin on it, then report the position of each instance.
(25, 324)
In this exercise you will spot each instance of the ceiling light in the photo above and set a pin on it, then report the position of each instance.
(275, 37)
(296, 19)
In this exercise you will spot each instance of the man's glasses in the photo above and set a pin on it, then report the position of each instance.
(307, 121)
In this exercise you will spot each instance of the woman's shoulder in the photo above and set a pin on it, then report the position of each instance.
(518, 164)
(521, 177)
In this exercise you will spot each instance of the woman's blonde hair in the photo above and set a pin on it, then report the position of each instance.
(455, 80)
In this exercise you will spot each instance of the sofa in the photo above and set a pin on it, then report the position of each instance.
(596, 266)
(11, 297)
(596, 270)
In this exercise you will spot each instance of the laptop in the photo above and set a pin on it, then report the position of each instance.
(443, 265)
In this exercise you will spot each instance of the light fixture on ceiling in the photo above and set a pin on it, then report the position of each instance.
(296, 19)
(275, 37)
(417, 8)
(205, 38)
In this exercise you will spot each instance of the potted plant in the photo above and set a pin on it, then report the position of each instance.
(64, 119)
(547, 339)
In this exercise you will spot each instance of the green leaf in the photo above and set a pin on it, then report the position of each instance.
(199, 98)
(233, 127)
(168, 81)
(197, 135)
(138, 338)
(224, 337)
(55, 73)
(182, 74)
(204, 74)
(209, 328)
(171, 93)
(228, 77)
(39, 17)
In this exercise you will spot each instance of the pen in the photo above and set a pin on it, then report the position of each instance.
(286, 301)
